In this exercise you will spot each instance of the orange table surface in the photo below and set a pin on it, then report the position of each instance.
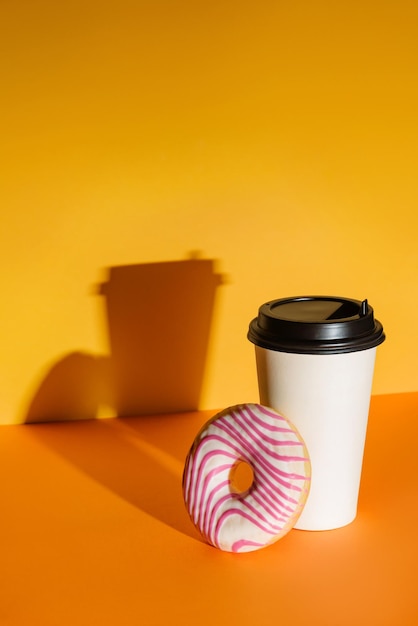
(94, 531)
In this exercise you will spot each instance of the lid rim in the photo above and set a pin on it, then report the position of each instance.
(319, 348)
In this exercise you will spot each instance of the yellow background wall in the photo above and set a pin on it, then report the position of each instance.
(278, 138)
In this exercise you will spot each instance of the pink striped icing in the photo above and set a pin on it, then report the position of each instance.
(242, 522)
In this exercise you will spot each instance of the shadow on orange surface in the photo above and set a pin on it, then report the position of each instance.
(138, 470)
(158, 318)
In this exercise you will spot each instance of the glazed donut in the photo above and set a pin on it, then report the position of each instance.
(249, 520)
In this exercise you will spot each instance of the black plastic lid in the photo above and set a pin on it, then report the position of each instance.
(316, 325)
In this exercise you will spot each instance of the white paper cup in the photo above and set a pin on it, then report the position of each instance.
(315, 361)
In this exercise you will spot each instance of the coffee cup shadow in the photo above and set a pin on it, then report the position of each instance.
(157, 320)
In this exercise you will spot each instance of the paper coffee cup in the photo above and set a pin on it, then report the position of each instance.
(315, 361)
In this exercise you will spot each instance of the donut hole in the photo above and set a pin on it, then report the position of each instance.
(241, 477)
